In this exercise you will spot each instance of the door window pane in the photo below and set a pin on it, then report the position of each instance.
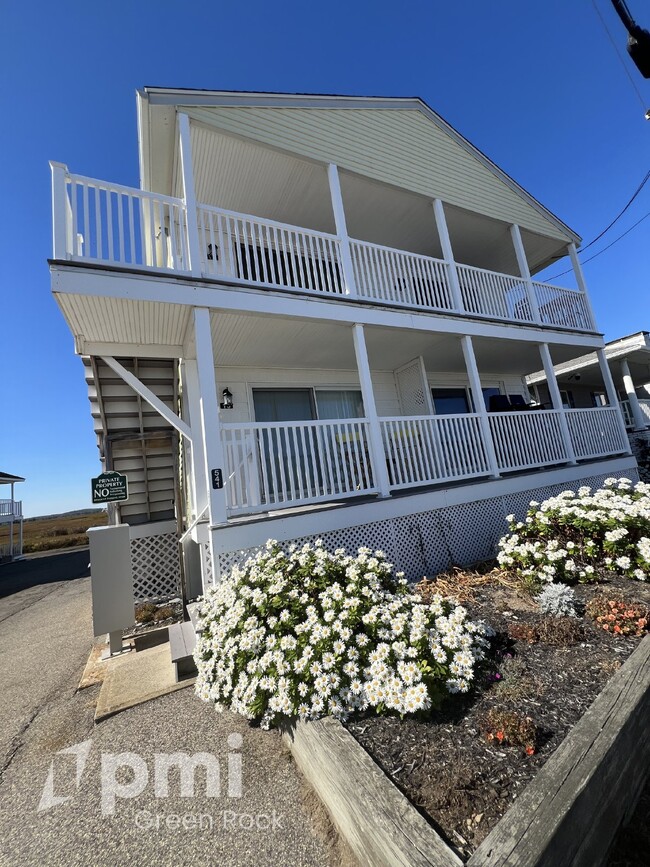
(488, 393)
(449, 401)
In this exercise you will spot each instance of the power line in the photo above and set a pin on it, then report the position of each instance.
(618, 54)
(620, 214)
(611, 244)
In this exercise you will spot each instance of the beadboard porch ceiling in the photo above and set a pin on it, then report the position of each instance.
(156, 329)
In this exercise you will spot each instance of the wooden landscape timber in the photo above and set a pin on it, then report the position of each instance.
(567, 816)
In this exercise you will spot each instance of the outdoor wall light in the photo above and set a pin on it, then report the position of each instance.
(226, 394)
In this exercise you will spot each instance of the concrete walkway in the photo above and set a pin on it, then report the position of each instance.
(250, 810)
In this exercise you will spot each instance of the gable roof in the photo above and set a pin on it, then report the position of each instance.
(398, 140)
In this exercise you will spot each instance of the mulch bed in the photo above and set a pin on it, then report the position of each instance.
(445, 764)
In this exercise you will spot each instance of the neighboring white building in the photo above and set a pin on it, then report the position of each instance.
(321, 302)
(11, 521)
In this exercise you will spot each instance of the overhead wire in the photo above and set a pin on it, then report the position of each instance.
(618, 54)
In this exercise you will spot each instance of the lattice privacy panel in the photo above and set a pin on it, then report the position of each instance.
(413, 389)
(156, 567)
(427, 543)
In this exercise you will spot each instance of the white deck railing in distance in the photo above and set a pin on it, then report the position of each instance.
(489, 293)
(566, 308)
(531, 438)
(596, 432)
(398, 277)
(427, 449)
(247, 248)
(11, 508)
(116, 225)
(280, 464)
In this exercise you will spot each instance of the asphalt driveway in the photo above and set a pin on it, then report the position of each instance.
(119, 796)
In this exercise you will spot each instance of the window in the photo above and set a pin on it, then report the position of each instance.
(598, 398)
(339, 404)
(449, 401)
(304, 404)
(489, 392)
(567, 399)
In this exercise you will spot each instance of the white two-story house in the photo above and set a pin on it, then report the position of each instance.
(315, 318)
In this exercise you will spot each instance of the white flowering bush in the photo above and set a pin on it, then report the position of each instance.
(580, 536)
(304, 633)
(558, 600)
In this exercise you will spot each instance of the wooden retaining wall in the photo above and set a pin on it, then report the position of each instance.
(567, 816)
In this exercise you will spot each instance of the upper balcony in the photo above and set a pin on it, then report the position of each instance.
(105, 224)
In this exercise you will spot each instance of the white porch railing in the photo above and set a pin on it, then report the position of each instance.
(11, 509)
(532, 438)
(596, 432)
(626, 409)
(281, 464)
(565, 307)
(398, 277)
(489, 293)
(426, 449)
(273, 254)
(110, 224)
(116, 225)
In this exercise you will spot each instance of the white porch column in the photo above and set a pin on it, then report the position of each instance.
(556, 400)
(479, 403)
(60, 230)
(189, 195)
(342, 229)
(612, 395)
(377, 452)
(580, 280)
(630, 391)
(190, 379)
(448, 254)
(213, 457)
(524, 270)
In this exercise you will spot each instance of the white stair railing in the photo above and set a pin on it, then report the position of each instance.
(531, 438)
(426, 449)
(281, 464)
(247, 248)
(397, 277)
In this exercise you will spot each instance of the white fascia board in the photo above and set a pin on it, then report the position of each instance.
(283, 527)
(218, 296)
(226, 99)
(135, 350)
(144, 142)
(614, 351)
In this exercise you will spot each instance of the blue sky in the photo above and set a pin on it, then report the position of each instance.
(537, 86)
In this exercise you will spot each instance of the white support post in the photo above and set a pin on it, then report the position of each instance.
(582, 284)
(377, 452)
(556, 400)
(342, 230)
(190, 380)
(524, 271)
(479, 403)
(633, 400)
(612, 395)
(448, 255)
(60, 233)
(213, 456)
(189, 195)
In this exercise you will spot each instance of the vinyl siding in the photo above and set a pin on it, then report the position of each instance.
(399, 146)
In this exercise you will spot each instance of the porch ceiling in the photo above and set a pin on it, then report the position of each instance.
(241, 175)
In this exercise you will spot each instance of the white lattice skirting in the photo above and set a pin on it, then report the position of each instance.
(426, 543)
(155, 564)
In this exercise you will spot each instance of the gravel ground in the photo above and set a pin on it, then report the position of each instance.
(444, 763)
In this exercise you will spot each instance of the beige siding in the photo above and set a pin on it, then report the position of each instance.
(399, 146)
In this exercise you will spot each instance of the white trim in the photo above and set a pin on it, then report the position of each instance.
(479, 403)
(630, 391)
(377, 451)
(524, 270)
(448, 254)
(250, 534)
(69, 280)
(189, 195)
(132, 350)
(146, 394)
(341, 229)
(158, 528)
